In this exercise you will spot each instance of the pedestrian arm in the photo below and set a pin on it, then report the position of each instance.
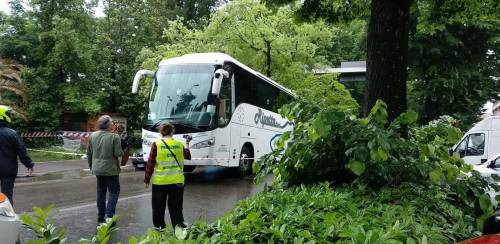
(187, 153)
(150, 166)
(22, 152)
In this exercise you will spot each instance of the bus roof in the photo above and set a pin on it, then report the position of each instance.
(219, 58)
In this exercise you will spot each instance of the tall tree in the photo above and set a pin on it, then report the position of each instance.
(387, 55)
(268, 41)
(453, 71)
(454, 61)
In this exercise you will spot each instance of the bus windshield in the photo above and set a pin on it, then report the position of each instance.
(180, 94)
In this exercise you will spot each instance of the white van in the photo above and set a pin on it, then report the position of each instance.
(481, 142)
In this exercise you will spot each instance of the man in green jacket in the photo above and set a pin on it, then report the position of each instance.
(103, 152)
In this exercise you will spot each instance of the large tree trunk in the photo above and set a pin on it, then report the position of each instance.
(388, 55)
(268, 58)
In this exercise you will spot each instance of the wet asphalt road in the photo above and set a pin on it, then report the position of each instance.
(209, 193)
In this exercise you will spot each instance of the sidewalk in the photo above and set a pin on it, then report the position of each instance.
(55, 170)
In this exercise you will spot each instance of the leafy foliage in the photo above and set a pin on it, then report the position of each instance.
(466, 46)
(268, 41)
(48, 233)
(327, 144)
(326, 90)
(408, 214)
(344, 148)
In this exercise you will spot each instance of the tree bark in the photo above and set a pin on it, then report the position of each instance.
(387, 55)
(268, 58)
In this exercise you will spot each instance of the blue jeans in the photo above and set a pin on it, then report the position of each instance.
(105, 184)
(7, 187)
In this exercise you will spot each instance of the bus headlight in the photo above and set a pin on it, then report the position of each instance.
(206, 143)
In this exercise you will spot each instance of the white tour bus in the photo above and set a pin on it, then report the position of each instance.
(229, 109)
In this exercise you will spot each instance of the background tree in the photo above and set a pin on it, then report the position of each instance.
(268, 41)
(454, 62)
(461, 80)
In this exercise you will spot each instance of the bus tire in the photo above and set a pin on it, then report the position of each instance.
(189, 168)
(245, 164)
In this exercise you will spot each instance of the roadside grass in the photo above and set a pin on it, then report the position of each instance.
(51, 154)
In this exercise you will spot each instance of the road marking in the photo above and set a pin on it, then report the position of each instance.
(87, 205)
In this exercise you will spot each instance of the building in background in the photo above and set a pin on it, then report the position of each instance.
(348, 71)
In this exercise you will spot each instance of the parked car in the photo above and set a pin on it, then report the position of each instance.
(492, 225)
(9, 222)
(481, 142)
(487, 170)
(138, 160)
(487, 239)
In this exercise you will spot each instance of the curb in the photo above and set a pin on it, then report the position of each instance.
(66, 174)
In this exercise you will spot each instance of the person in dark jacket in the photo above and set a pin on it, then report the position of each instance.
(11, 147)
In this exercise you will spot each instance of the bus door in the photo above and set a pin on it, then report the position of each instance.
(225, 108)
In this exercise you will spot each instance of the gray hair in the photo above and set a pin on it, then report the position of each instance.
(104, 121)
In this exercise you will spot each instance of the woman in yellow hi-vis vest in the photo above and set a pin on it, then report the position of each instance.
(165, 170)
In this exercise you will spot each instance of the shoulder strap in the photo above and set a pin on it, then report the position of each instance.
(173, 154)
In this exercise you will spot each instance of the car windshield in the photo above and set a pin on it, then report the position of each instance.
(180, 94)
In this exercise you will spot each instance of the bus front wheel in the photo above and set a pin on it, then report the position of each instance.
(246, 161)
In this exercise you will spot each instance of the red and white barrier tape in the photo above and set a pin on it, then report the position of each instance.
(71, 134)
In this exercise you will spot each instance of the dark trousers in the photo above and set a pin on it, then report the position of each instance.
(105, 184)
(7, 186)
(173, 194)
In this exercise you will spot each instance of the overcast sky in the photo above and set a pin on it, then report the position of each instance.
(4, 6)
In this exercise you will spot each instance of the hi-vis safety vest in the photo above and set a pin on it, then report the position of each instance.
(166, 170)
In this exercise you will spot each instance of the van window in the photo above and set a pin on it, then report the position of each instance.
(496, 164)
(475, 146)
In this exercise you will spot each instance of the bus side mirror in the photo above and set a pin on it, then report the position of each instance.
(137, 78)
(219, 75)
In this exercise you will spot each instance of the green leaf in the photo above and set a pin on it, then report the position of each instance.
(356, 167)
(435, 176)
(485, 203)
(453, 135)
(409, 117)
(180, 233)
(431, 149)
(381, 154)
(312, 134)
(424, 240)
